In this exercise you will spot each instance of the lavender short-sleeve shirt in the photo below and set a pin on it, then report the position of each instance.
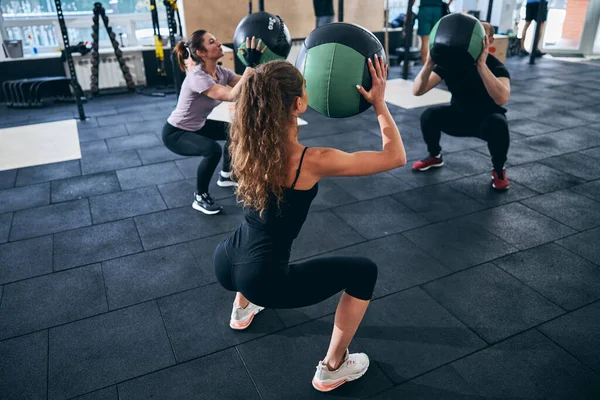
(193, 107)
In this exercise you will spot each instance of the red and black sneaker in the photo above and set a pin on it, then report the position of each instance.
(500, 182)
(429, 162)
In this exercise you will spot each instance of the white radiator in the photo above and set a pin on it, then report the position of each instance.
(109, 70)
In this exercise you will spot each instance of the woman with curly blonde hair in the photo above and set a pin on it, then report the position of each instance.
(278, 179)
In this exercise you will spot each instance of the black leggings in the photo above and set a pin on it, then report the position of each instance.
(200, 143)
(282, 285)
(492, 128)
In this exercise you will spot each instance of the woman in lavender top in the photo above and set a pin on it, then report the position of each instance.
(187, 131)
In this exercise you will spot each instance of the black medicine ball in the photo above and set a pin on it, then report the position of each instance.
(456, 41)
(268, 27)
(333, 60)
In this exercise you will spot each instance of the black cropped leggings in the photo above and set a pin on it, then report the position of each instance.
(202, 142)
(282, 285)
(492, 128)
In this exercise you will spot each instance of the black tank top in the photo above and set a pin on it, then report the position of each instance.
(270, 237)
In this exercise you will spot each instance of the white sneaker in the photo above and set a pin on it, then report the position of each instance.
(241, 318)
(354, 366)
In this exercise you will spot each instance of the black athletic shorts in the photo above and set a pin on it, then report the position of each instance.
(532, 9)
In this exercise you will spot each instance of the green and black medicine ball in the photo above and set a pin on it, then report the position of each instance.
(333, 60)
(456, 41)
(270, 29)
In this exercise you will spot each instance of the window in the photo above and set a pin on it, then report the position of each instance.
(35, 23)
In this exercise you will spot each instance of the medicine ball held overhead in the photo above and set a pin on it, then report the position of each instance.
(456, 41)
(333, 60)
(268, 27)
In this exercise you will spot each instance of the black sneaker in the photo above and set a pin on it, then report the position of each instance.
(523, 53)
(538, 54)
(206, 204)
(226, 182)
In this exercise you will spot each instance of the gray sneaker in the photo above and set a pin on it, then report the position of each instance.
(204, 203)
(241, 318)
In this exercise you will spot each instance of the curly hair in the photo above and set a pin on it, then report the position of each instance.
(258, 132)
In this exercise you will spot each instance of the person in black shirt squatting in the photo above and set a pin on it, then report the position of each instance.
(478, 95)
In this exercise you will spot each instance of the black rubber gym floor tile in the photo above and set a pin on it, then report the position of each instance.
(316, 235)
(93, 147)
(23, 367)
(528, 366)
(51, 300)
(106, 349)
(295, 316)
(47, 172)
(103, 132)
(149, 275)
(486, 299)
(578, 332)
(589, 114)
(518, 113)
(189, 166)
(556, 273)
(438, 203)
(572, 209)
(355, 140)
(90, 122)
(22, 198)
(380, 217)
(5, 223)
(401, 264)
(542, 178)
(50, 219)
(25, 259)
(415, 179)
(576, 164)
(232, 215)
(479, 187)
(451, 144)
(157, 154)
(330, 195)
(565, 141)
(585, 244)
(95, 243)
(9, 121)
(520, 226)
(84, 186)
(51, 117)
(130, 203)
(132, 142)
(197, 322)
(408, 334)
(562, 119)
(108, 162)
(180, 225)
(203, 251)
(111, 120)
(441, 384)
(268, 361)
(595, 152)
(209, 378)
(590, 189)
(8, 179)
(109, 393)
(520, 153)
(153, 127)
(469, 162)
(370, 187)
(589, 84)
(148, 175)
(459, 244)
